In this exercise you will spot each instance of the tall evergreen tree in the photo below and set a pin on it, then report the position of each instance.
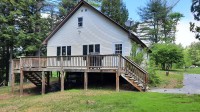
(8, 31)
(20, 30)
(116, 10)
(65, 6)
(159, 21)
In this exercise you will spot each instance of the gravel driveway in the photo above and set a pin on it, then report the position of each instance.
(191, 85)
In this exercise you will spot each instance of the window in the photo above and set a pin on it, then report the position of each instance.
(58, 51)
(91, 49)
(80, 21)
(63, 50)
(64, 53)
(69, 52)
(118, 48)
(84, 51)
(97, 48)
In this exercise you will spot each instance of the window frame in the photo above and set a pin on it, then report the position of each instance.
(80, 22)
(118, 48)
(58, 51)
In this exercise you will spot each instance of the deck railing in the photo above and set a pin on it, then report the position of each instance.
(117, 62)
(16, 64)
(82, 61)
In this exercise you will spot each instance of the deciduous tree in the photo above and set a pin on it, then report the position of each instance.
(167, 54)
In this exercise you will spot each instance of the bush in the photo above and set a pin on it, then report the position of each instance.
(153, 78)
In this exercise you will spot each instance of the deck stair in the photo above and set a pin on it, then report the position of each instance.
(134, 74)
(35, 78)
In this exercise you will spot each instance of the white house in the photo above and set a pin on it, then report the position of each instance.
(86, 30)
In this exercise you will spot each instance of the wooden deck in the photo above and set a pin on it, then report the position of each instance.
(118, 64)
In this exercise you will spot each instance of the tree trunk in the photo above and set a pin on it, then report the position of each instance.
(10, 64)
(7, 64)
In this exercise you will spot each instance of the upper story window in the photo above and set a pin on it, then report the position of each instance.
(80, 21)
(118, 48)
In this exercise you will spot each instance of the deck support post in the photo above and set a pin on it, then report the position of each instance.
(117, 82)
(62, 80)
(118, 73)
(43, 83)
(21, 81)
(85, 80)
(48, 80)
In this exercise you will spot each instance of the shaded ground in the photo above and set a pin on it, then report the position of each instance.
(191, 85)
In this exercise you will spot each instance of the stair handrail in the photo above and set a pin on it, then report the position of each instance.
(135, 64)
(145, 81)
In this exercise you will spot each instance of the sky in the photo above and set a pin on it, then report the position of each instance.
(183, 35)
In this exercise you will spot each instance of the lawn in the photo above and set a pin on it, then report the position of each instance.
(99, 101)
(175, 77)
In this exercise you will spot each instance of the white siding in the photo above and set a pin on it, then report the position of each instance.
(96, 30)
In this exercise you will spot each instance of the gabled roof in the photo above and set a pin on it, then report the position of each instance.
(82, 2)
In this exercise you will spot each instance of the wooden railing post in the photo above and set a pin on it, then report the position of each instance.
(87, 62)
(119, 65)
(118, 73)
(21, 77)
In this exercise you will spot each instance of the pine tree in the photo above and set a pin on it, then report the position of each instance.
(159, 21)
(116, 10)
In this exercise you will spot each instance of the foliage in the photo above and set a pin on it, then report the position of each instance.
(20, 29)
(159, 23)
(194, 52)
(196, 12)
(116, 10)
(187, 57)
(166, 54)
(154, 80)
(137, 53)
(65, 6)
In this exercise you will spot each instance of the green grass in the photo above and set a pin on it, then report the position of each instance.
(100, 101)
(175, 77)
(192, 70)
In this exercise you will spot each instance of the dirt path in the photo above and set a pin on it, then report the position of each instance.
(191, 84)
